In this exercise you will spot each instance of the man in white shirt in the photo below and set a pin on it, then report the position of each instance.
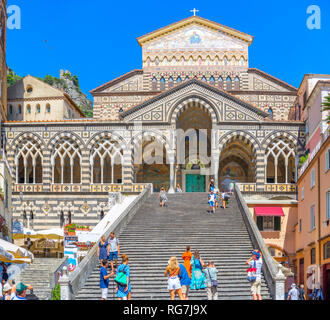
(212, 202)
(293, 293)
(256, 262)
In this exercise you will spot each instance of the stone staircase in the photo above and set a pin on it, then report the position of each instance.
(37, 274)
(155, 234)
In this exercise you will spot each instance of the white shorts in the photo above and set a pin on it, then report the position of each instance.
(104, 293)
(256, 287)
(174, 283)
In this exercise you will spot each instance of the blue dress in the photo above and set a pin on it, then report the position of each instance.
(197, 275)
(103, 251)
(121, 293)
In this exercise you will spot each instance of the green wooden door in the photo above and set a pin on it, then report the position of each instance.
(195, 183)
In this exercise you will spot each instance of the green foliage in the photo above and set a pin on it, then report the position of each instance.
(326, 105)
(12, 78)
(56, 293)
(303, 159)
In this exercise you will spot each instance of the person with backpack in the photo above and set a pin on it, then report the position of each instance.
(123, 280)
(104, 279)
(211, 281)
(254, 274)
(211, 186)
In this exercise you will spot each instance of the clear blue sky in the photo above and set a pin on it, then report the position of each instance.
(97, 39)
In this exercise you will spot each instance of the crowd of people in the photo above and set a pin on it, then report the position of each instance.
(192, 274)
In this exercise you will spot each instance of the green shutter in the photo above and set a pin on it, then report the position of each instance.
(277, 223)
(260, 223)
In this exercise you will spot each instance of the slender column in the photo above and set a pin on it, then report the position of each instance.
(71, 165)
(112, 172)
(260, 170)
(286, 170)
(102, 162)
(25, 171)
(34, 171)
(128, 169)
(215, 165)
(172, 160)
(86, 170)
(62, 170)
(275, 163)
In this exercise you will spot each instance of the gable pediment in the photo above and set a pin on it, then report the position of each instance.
(222, 105)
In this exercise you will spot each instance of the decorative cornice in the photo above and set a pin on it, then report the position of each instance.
(200, 83)
(116, 80)
(194, 20)
(272, 78)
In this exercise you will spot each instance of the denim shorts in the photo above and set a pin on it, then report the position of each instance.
(113, 256)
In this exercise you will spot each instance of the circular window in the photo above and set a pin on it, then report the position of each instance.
(29, 89)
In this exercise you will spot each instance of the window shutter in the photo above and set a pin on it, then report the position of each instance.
(277, 223)
(260, 223)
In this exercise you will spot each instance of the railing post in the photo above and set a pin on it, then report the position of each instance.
(280, 284)
(64, 282)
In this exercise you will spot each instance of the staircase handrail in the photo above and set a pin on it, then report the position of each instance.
(79, 276)
(272, 270)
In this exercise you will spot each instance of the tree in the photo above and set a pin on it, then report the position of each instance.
(326, 106)
(12, 78)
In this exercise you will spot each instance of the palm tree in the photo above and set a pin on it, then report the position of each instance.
(326, 105)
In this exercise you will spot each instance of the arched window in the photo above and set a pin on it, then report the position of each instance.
(24, 219)
(19, 109)
(242, 61)
(101, 214)
(178, 80)
(106, 161)
(66, 161)
(154, 84)
(212, 81)
(38, 109)
(170, 82)
(28, 109)
(270, 111)
(10, 109)
(228, 83)
(237, 83)
(69, 217)
(162, 83)
(28, 162)
(225, 61)
(220, 83)
(48, 108)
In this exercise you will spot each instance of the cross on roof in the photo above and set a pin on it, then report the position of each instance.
(194, 11)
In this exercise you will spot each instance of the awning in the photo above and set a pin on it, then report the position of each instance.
(269, 211)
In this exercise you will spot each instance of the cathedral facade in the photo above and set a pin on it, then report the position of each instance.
(195, 111)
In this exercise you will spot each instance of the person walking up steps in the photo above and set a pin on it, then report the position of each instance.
(184, 281)
(124, 291)
(103, 250)
(104, 279)
(223, 199)
(114, 251)
(255, 264)
(173, 283)
(197, 275)
(211, 185)
(211, 281)
(162, 197)
(186, 257)
(212, 203)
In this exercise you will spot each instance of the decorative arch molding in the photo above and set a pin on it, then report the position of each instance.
(184, 103)
(66, 134)
(106, 135)
(148, 135)
(23, 136)
(243, 136)
(278, 134)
